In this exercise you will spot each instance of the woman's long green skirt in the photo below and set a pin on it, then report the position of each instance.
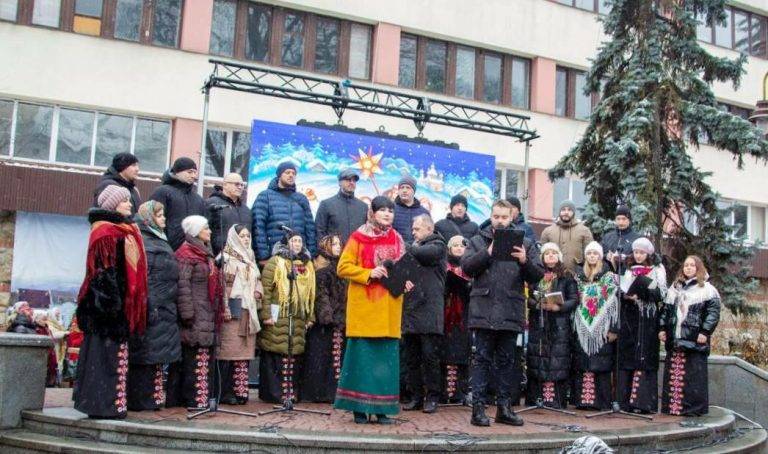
(370, 375)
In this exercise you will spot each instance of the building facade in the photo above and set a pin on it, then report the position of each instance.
(83, 80)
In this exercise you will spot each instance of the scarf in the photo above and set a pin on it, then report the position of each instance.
(146, 216)
(102, 254)
(598, 310)
(682, 298)
(195, 251)
(454, 309)
(378, 244)
(239, 261)
(658, 276)
(303, 302)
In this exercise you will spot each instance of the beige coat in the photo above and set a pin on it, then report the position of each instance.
(571, 237)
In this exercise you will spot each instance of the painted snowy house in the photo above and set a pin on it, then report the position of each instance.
(432, 179)
(317, 165)
(475, 196)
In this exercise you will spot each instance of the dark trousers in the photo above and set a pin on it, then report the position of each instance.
(494, 353)
(422, 356)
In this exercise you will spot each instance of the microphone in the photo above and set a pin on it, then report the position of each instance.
(217, 207)
(286, 229)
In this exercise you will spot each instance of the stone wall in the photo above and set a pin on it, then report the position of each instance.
(7, 227)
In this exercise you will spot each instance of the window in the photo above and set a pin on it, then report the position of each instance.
(128, 19)
(223, 28)
(492, 78)
(521, 83)
(81, 137)
(465, 72)
(758, 35)
(757, 224)
(742, 31)
(327, 46)
(507, 183)
(588, 5)
(724, 31)
(569, 189)
(407, 71)
(87, 18)
(227, 151)
(435, 71)
(46, 13)
(360, 51)
(293, 40)
(570, 99)
(258, 31)
(603, 7)
(9, 9)
(597, 6)
(703, 29)
(582, 101)
(167, 19)
(561, 92)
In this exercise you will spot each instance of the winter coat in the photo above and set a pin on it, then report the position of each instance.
(403, 222)
(161, 342)
(197, 314)
(457, 288)
(550, 343)
(696, 309)
(331, 301)
(180, 200)
(222, 213)
(639, 330)
(496, 301)
(572, 237)
(22, 325)
(450, 227)
(275, 207)
(519, 224)
(605, 358)
(274, 338)
(619, 241)
(112, 177)
(341, 214)
(424, 305)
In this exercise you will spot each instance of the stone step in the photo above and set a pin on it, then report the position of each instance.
(17, 441)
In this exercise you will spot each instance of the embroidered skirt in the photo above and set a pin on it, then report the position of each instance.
(639, 390)
(101, 381)
(370, 374)
(685, 389)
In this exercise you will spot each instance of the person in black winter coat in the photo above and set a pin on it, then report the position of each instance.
(343, 213)
(123, 172)
(225, 208)
(497, 313)
(595, 326)
(549, 333)
(456, 350)
(617, 243)
(161, 342)
(423, 316)
(407, 207)
(688, 319)
(457, 221)
(178, 196)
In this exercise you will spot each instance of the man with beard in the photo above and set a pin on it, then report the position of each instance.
(570, 235)
(281, 206)
(497, 314)
(457, 221)
(342, 214)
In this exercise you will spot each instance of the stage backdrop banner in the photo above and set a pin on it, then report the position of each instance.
(320, 154)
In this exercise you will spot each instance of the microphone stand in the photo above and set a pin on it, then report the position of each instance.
(615, 406)
(213, 402)
(287, 404)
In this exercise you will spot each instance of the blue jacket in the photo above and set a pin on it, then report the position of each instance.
(519, 224)
(404, 215)
(275, 207)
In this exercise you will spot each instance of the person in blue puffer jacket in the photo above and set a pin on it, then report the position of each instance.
(280, 205)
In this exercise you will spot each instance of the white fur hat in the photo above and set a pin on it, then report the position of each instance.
(643, 244)
(594, 246)
(551, 247)
(192, 225)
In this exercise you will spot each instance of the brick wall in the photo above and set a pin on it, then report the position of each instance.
(7, 227)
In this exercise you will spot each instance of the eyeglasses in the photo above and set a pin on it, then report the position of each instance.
(239, 184)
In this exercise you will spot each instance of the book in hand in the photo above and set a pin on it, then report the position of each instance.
(554, 298)
(399, 272)
(504, 243)
(638, 287)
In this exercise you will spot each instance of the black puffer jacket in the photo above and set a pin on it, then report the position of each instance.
(550, 334)
(423, 306)
(161, 342)
(222, 213)
(23, 325)
(331, 296)
(112, 177)
(604, 359)
(451, 226)
(496, 301)
(180, 200)
(702, 317)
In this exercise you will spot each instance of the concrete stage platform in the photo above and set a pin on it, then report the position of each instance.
(59, 428)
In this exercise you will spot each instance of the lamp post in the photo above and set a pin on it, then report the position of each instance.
(760, 115)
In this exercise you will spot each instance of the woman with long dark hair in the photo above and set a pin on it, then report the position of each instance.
(112, 305)
(549, 332)
(688, 319)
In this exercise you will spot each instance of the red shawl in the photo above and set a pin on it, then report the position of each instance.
(454, 310)
(376, 247)
(102, 254)
(193, 253)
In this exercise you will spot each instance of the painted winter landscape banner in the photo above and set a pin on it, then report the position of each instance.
(320, 154)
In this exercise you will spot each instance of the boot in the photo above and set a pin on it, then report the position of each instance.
(360, 418)
(414, 404)
(430, 406)
(478, 415)
(384, 419)
(505, 415)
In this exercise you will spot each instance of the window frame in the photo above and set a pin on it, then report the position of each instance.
(750, 17)
(503, 181)
(570, 93)
(229, 133)
(53, 143)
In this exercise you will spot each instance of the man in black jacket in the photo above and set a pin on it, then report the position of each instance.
(617, 243)
(423, 316)
(225, 208)
(343, 213)
(179, 197)
(123, 172)
(497, 313)
(457, 221)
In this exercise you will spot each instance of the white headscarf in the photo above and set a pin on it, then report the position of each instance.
(240, 262)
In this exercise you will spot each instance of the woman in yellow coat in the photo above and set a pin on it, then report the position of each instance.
(369, 382)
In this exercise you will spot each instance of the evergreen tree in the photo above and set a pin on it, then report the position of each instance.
(656, 101)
